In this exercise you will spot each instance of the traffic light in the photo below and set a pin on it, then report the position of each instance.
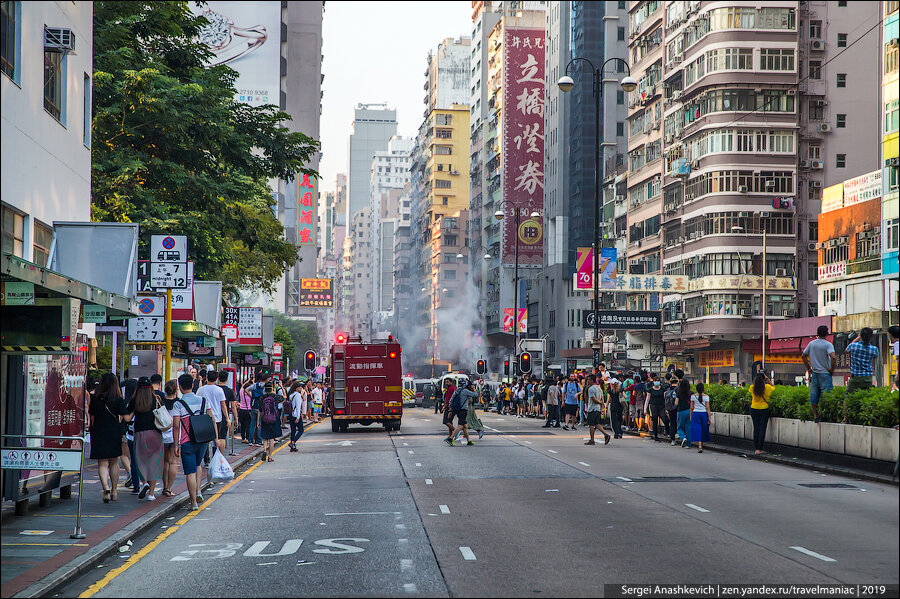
(309, 360)
(525, 362)
(480, 367)
(505, 367)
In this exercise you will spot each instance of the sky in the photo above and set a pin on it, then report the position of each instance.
(377, 52)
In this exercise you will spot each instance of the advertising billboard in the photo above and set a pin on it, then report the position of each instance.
(307, 194)
(246, 36)
(523, 143)
(316, 293)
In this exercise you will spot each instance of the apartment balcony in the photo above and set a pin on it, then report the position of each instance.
(864, 265)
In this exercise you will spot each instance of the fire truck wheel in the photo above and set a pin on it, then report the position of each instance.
(344, 428)
(335, 427)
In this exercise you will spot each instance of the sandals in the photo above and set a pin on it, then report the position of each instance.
(269, 460)
(167, 493)
(106, 496)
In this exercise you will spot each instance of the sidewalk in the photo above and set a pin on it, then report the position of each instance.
(39, 556)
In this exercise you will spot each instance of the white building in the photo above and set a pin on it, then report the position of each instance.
(46, 122)
(373, 127)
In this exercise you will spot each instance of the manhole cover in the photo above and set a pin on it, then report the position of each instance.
(828, 486)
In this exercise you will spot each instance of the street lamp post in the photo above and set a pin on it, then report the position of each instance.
(566, 84)
(499, 215)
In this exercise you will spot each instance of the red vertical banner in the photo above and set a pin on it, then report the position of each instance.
(523, 142)
(507, 320)
(307, 189)
(584, 268)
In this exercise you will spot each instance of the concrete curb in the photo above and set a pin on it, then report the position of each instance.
(93, 556)
(795, 462)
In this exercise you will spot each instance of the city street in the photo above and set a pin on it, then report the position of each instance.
(526, 512)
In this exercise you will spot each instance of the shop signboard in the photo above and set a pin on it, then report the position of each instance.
(625, 320)
(316, 293)
(832, 271)
(862, 188)
(717, 358)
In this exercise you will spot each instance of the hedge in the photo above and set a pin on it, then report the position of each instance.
(877, 406)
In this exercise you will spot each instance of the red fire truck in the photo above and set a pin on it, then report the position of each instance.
(367, 383)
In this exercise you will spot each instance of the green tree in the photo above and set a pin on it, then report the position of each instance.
(304, 334)
(174, 152)
(288, 347)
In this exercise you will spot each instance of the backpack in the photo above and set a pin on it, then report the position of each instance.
(287, 407)
(455, 401)
(268, 409)
(256, 394)
(669, 397)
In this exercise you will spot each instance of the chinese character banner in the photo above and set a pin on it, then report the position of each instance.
(316, 293)
(307, 190)
(523, 137)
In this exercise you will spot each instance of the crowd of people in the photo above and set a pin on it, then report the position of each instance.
(146, 427)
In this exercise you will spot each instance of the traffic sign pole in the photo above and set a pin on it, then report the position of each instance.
(168, 357)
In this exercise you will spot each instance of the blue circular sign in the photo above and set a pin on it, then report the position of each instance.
(146, 305)
(169, 243)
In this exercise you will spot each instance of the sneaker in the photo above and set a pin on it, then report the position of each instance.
(199, 498)
(566, 427)
(470, 443)
(546, 426)
(135, 491)
(683, 442)
(449, 441)
(127, 482)
(673, 443)
(144, 490)
(194, 507)
(700, 450)
(606, 440)
(573, 428)
(480, 434)
(264, 456)
(151, 497)
(589, 443)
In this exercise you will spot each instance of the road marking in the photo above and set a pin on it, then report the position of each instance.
(552, 451)
(136, 557)
(585, 464)
(267, 564)
(551, 490)
(444, 509)
(428, 481)
(37, 533)
(410, 588)
(696, 507)
(406, 445)
(418, 464)
(524, 441)
(824, 558)
(362, 513)
(410, 452)
(400, 526)
(467, 554)
(45, 544)
(627, 480)
(257, 517)
(406, 565)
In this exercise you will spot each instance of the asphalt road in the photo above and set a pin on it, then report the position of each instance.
(527, 512)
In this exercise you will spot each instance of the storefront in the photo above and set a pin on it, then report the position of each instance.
(43, 362)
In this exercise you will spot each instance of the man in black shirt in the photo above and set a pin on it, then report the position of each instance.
(230, 400)
(657, 404)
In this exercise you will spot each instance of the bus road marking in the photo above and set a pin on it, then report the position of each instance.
(468, 554)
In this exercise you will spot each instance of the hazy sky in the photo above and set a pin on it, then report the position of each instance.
(376, 52)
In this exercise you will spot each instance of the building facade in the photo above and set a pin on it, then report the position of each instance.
(373, 127)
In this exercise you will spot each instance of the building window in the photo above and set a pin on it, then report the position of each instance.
(13, 232)
(450, 275)
(840, 160)
(891, 116)
(840, 121)
(53, 83)
(87, 111)
(10, 42)
(773, 59)
(552, 319)
(815, 69)
(892, 235)
(814, 152)
(620, 129)
(842, 40)
(813, 231)
(450, 240)
(842, 3)
(43, 238)
(842, 80)
(816, 110)
(815, 30)
(621, 34)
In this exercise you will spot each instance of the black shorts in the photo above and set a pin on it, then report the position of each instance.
(571, 409)
(223, 428)
(448, 416)
(593, 418)
(460, 416)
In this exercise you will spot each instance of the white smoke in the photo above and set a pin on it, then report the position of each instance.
(457, 321)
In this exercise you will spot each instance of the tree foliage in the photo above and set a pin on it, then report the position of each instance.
(173, 151)
(288, 347)
(303, 334)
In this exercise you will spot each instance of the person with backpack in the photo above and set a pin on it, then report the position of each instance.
(683, 411)
(571, 392)
(657, 403)
(269, 425)
(671, 413)
(256, 391)
(459, 403)
(191, 441)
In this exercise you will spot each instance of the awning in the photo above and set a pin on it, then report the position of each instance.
(696, 343)
(797, 327)
(794, 345)
(188, 329)
(751, 346)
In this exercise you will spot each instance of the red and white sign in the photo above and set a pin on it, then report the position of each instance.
(276, 365)
(507, 320)
(276, 350)
(832, 271)
(523, 137)
(230, 332)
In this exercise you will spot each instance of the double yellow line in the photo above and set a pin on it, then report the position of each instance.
(135, 558)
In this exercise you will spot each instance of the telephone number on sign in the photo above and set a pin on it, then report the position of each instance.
(253, 92)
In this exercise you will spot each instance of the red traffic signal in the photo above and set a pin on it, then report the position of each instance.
(525, 362)
(480, 367)
(310, 360)
(506, 367)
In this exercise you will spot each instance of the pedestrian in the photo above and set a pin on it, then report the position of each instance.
(656, 404)
(459, 404)
(699, 417)
(148, 441)
(894, 332)
(760, 392)
(613, 392)
(170, 466)
(191, 453)
(554, 398)
(863, 358)
(594, 409)
(270, 427)
(670, 414)
(437, 393)
(136, 479)
(571, 392)
(256, 391)
(520, 399)
(230, 404)
(820, 361)
(683, 411)
(106, 411)
(473, 422)
(317, 400)
(447, 420)
(244, 412)
(215, 399)
(298, 408)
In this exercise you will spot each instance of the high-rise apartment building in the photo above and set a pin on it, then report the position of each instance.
(890, 148)
(447, 74)
(373, 127)
(741, 117)
(359, 256)
(595, 31)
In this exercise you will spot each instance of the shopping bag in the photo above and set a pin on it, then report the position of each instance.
(220, 470)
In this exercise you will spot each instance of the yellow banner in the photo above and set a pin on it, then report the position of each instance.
(780, 358)
(717, 358)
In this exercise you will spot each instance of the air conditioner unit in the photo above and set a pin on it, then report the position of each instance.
(59, 39)
(695, 164)
(818, 103)
(893, 162)
(669, 139)
(694, 235)
(815, 184)
(804, 164)
(770, 183)
(743, 189)
(817, 164)
(832, 243)
(824, 127)
(677, 315)
(746, 311)
(894, 42)
(788, 313)
(677, 93)
(843, 240)
(613, 305)
(791, 92)
(764, 214)
(781, 272)
(620, 198)
(743, 215)
(812, 247)
(688, 196)
(817, 45)
(680, 240)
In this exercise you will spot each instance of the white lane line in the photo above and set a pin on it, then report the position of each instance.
(696, 507)
(400, 527)
(824, 558)
(267, 564)
(551, 451)
(406, 444)
(551, 490)
(418, 464)
(468, 554)
(406, 565)
(585, 464)
(260, 517)
(524, 441)
(627, 480)
(410, 452)
(427, 481)
(444, 509)
(360, 513)
(410, 588)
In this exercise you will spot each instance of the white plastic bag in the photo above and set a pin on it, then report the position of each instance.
(220, 470)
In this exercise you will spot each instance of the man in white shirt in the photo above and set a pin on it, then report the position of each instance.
(318, 397)
(215, 399)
